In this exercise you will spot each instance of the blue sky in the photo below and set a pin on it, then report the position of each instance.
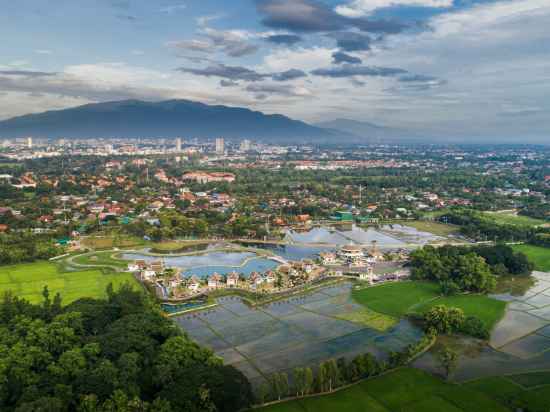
(456, 68)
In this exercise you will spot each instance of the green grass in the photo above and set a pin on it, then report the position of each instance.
(111, 241)
(512, 219)
(531, 380)
(406, 389)
(101, 259)
(438, 229)
(367, 317)
(488, 310)
(396, 299)
(540, 256)
(28, 281)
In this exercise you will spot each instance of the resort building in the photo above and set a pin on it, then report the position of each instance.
(215, 281)
(194, 284)
(233, 279)
(327, 258)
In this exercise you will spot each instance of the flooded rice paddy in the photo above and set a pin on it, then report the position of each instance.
(391, 236)
(299, 331)
(519, 343)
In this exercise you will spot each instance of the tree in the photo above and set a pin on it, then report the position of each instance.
(308, 380)
(444, 319)
(299, 381)
(448, 359)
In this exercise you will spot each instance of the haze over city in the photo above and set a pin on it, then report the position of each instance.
(463, 69)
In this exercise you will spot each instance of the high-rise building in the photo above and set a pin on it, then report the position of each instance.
(220, 146)
(178, 144)
(29, 142)
(245, 146)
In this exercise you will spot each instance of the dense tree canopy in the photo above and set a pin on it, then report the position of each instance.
(118, 354)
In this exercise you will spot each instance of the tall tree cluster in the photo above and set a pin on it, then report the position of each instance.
(118, 354)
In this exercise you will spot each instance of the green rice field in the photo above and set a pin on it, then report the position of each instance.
(540, 256)
(413, 390)
(28, 281)
(488, 310)
(396, 299)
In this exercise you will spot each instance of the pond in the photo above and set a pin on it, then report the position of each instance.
(215, 262)
(410, 234)
(519, 343)
(294, 332)
(344, 235)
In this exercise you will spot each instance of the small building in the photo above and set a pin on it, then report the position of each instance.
(215, 281)
(233, 279)
(343, 216)
(351, 252)
(194, 283)
(327, 258)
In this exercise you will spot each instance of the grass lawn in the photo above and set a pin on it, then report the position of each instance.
(490, 311)
(396, 299)
(512, 219)
(413, 390)
(531, 380)
(28, 281)
(540, 256)
(438, 229)
(111, 241)
(369, 318)
(101, 259)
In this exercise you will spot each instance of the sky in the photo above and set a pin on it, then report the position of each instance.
(469, 69)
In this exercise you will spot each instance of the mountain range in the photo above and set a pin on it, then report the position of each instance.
(167, 119)
(187, 119)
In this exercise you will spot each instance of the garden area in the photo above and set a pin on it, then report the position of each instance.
(28, 280)
(410, 390)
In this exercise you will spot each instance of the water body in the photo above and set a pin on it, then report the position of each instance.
(298, 331)
(204, 265)
(344, 236)
(209, 263)
(410, 234)
(519, 343)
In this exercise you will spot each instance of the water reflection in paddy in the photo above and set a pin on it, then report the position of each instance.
(519, 343)
(343, 236)
(298, 331)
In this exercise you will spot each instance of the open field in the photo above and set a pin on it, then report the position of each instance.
(413, 390)
(367, 317)
(28, 281)
(396, 299)
(540, 256)
(513, 219)
(438, 229)
(490, 311)
(101, 259)
(111, 241)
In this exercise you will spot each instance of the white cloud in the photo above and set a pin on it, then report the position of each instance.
(360, 8)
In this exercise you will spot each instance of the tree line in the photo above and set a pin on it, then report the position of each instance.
(467, 269)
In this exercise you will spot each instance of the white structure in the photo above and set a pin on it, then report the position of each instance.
(233, 279)
(245, 146)
(220, 146)
(29, 142)
(178, 144)
(194, 284)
